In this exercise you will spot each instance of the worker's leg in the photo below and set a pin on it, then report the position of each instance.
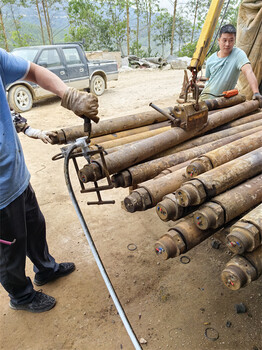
(37, 249)
(12, 257)
(45, 267)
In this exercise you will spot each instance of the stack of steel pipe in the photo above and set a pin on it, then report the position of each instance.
(204, 180)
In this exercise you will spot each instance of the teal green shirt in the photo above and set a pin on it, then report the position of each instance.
(223, 73)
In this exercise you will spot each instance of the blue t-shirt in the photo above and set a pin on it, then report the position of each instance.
(223, 73)
(14, 175)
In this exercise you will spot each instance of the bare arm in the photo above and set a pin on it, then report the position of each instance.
(251, 78)
(46, 79)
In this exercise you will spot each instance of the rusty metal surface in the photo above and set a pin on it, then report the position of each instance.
(216, 135)
(169, 209)
(255, 116)
(109, 126)
(246, 234)
(222, 102)
(145, 149)
(152, 168)
(241, 270)
(224, 154)
(183, 236)
(132, 138)
(120, 134)
(229, 205)
(220, 179)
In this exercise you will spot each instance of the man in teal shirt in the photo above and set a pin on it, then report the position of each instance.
(223, 67)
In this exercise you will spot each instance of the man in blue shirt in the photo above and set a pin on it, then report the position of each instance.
(223, 67)
(21, 220)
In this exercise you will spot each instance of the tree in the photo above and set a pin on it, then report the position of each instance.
(163, 27)
(173, 29)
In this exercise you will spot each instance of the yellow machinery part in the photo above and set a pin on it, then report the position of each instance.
(206, 35)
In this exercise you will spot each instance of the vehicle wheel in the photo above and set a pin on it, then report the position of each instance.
(97, 85)
(20, 98)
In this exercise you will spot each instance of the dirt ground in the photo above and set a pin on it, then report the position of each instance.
(168, 303)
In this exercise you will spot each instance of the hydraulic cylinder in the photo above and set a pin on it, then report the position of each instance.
(241, 270)
(224, 154)
(220, 179)
(229, 205)
(246, 234)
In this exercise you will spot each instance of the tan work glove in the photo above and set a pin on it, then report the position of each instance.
(81, 103)
(39, 134)
(258, 96)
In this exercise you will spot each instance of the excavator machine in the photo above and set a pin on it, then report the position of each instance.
(193, 114)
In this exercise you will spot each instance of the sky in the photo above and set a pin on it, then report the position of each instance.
(168, 4)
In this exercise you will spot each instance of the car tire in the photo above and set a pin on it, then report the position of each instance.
(20, 98)
(97, 85)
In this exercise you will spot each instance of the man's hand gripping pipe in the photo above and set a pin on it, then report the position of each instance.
(67, 151)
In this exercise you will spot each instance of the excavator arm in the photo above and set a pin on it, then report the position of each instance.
(206, 35)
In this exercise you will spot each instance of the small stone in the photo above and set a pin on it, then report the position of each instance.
(228, 324)
(84, 313)
(215, 244)
(240, 308)
(142, 341)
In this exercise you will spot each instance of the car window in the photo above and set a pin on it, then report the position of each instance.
(72, 56)
(49, 58)
(27, 54)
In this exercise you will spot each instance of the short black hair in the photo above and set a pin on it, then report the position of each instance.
(228, 28)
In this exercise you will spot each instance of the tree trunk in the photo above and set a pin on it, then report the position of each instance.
(127, 28)
(40, 20)
(49, 23)
(149, 15)
(195, 16)
(16, 26)
(46, 21)
(173, 29)
(137, 26)
(4, 33)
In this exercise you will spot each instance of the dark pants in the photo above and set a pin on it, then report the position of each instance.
(22, 220)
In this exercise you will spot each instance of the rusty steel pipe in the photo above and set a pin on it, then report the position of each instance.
(108, 126)
(200, 140)
(242, 121)
(131, 138)
(224, 154)
(169, 209)
(215, 135)
(241, 270)
(147, 170)
(151, 192)
(193, 192)
(220, 179)
(179, 239)
(229, 205)
(246, 234)
(144, 149)
(129, 132)
(223, 102)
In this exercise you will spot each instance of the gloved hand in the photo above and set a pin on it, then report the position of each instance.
(39, 134)
(81, 103)
(258, 96)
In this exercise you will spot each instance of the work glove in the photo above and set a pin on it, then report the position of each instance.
(81, 103)
(258, 96)
(39, 134)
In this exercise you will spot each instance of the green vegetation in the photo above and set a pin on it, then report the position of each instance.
(138, 27)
